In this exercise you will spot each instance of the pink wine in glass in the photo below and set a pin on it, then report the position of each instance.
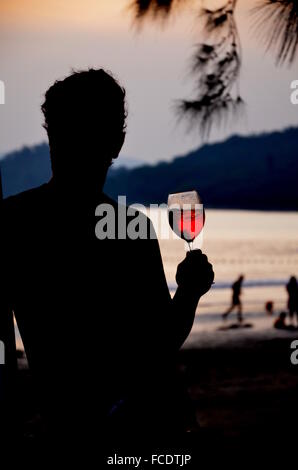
(186, 215)
(187, 223)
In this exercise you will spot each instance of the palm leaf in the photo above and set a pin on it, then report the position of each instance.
(155, 9)
(277, 22)
(217, 66)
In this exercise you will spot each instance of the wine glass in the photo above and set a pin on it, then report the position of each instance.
(186, 215)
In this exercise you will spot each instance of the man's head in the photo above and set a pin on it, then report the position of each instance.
(85, 120)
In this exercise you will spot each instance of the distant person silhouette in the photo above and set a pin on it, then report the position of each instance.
(292, 289)
(99, 326)
(236, 299)
(280, 322)
(269, 307)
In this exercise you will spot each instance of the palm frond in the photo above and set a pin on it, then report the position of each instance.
(154, 9)
(217, 64)
(205, 113)
(277, 21)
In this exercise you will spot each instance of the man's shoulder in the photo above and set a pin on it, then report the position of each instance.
(131, 211)
(21, 202)
(132, 216)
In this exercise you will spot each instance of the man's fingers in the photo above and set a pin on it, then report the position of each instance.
(196, 257)
(211, 275)
(195, 270)
(193, 253)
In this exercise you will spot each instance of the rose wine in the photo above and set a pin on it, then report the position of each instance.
(186, 223)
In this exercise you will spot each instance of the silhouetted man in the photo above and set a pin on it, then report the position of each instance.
(98, 324)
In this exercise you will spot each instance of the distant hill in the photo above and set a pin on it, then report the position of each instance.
(30, 167)
(249, 172)
(25, 169)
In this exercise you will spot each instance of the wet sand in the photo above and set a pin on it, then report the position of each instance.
(243, 391)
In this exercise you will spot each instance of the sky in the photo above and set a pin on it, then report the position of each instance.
(42, 40)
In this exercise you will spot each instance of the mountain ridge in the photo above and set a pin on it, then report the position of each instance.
(242, 172)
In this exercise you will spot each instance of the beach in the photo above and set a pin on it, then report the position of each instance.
(244, 395)
(241, 380)
(263, 246)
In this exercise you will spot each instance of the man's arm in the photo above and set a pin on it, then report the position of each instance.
(175, 317)
(194, 278)
(7, 336)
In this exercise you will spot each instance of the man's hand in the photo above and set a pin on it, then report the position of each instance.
(195, 273)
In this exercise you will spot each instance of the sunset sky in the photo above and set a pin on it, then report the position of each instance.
(41, 40)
